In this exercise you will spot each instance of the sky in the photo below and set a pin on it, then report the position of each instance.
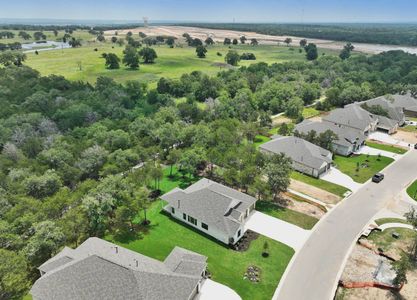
(277, 11)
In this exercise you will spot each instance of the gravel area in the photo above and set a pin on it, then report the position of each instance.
(364, 266)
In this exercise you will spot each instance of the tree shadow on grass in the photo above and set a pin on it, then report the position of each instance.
(269, 206)
(137, 234)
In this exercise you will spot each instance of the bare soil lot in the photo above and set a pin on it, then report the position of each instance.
(219, 35)
(314, 192)
(406, 136)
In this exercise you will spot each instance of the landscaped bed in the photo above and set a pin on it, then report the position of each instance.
(302, 220)
(361, 167)
(412, 190)
(226, 266)
(321, 184)
(385, 147)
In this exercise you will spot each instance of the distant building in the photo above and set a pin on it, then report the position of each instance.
(212, 208)
(101, 270)
(306, 157)
(348, 140)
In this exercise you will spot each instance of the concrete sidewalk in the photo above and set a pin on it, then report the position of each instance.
(213, 290)
(277, 229)
(373, 151)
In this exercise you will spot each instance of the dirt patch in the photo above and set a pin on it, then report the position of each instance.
(405, 136)
(314, 192)
(364, 265)
(408, 292)
(285, 200)
(278, 120)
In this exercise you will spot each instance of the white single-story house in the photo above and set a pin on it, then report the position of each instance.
(306, 157)
(98, 269)
(212, 208)
(348, 140)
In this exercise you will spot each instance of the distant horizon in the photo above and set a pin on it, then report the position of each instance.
(59, 21)
(215, 11)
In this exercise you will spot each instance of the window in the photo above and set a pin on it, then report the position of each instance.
(184, 216)
(192, 220)
(205, 226)
(239, 233)
(173, 210)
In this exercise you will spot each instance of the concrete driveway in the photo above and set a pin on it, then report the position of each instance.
(372, 151)
(337, 177)
(386, 138)
(277, 229)
(318, 265)
(212, 290)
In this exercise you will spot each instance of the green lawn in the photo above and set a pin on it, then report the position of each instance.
(368, 165)
(390, 220)
(322, 184)
(385, 240)
(309, 112)
(170, 62)
(176, 180)
(260, 139)
(285, 214)
(227, 266)
(389, 148)
(412, 190)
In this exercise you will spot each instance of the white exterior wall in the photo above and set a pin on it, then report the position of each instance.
(212, 231)
(342, 150)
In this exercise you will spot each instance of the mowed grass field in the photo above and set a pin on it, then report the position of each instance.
(170, 63)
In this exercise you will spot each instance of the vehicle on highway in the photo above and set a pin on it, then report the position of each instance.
(378, 177)
(415, 146)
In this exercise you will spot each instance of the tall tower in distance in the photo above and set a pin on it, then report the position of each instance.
(146, 21)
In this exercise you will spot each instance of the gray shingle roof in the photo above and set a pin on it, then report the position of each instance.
(394, 112)
(404, 101)
(299, 150)
(101, 270)
(346, 135)
(211, 203)
(352, 116)
(387, 123)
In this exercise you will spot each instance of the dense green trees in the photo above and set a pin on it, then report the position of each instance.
(8, 58)
(131, 57)
(67, 148)
(311, 51)
(201, 51)
(148, 55)
(232, 58)
(112, 61)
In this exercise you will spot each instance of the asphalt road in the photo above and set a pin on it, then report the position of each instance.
(315, 271)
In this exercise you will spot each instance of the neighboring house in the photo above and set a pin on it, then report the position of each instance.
(387, 125)
(348, 140)
(212, 208)
(394, 112)
(406, 102)
(101, 270)
(353, 116)
(306, 157)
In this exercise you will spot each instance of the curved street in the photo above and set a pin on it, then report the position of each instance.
(315, 270)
